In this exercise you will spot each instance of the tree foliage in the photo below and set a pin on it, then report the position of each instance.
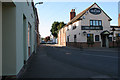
(47, 38)
(56, 26)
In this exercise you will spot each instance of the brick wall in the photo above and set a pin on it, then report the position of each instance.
(83, 44)
(115, 44)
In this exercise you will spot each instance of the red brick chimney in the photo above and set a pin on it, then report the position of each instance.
(72, 14)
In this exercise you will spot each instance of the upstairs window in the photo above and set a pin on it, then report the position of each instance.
(95, 23)
(68, 28)
(91, 23)
(100, 23)
(74, 27)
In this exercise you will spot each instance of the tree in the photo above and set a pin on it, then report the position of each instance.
(47, 39)
(56, 26)
(42, 38)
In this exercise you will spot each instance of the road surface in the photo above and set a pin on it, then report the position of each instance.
(63, 62)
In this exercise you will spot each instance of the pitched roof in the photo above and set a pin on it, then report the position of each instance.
(78, 16)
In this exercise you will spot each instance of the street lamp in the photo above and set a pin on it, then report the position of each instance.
(38, 3)
(113, 29)
(36, 34)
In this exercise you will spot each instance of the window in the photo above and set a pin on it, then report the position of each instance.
(75, 38)
(74, 27)
(90, 38)
(118, 37)
(68, 28)
(95, 23)
(100, 23)
(91, 23)
(96, 37)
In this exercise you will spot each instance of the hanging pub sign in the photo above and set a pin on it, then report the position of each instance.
(95, 11)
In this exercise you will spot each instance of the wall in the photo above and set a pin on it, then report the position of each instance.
(22, 8)
(62, 36)
(9, 39)
(15, 35)
(0, 40)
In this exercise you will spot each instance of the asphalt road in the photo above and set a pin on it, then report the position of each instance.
(63, 62)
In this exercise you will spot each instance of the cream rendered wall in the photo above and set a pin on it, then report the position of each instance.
(23, 8)
(9, 40)
(86, 22)
(71, 32)
(0, 39)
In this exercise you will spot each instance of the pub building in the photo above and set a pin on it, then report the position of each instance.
(90, 28)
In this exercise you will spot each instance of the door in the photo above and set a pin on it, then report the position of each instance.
(103, 41)
(29, 39)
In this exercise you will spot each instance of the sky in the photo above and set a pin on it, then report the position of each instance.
(49, 12)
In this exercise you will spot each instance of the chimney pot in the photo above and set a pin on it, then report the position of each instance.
(72, 14)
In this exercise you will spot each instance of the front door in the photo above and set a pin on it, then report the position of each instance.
(104, 41)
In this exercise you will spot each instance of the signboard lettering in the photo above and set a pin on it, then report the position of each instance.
(95, 11)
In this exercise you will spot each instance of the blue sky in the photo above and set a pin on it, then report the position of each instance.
(60, 11)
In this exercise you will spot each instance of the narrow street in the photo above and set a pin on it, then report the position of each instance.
(63, 62)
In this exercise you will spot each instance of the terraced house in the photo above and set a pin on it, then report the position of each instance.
(89, 28)
(20, 35)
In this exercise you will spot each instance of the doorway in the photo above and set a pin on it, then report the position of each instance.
(105, 39)
(24, 39)
(29, 39)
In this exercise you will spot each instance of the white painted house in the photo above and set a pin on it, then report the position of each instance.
(89, 28)
(18, 35)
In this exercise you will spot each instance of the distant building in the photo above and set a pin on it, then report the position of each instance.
(53, 39)
(90, 28)
(19, 35)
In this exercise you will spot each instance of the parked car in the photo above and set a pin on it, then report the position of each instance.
(43, 42)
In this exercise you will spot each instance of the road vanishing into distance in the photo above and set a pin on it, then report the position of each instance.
(64, 62)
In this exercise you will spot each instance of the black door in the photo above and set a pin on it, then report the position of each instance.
(103, 41)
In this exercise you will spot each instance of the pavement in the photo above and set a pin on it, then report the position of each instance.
(55, 61)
